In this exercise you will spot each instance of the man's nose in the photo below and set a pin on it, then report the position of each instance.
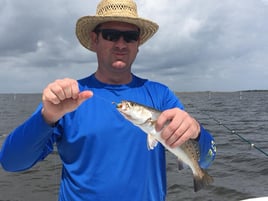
(121, 42)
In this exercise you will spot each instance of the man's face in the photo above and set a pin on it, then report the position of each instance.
(116, 55)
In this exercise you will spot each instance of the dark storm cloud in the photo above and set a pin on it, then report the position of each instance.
(216, 45)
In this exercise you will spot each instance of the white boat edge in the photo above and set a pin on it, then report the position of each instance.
(256, 199)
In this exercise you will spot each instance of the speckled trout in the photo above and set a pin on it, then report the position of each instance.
(188, 153)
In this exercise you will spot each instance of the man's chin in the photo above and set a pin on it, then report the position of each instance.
(119, 65)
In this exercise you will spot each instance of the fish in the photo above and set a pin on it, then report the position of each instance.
(188, 153)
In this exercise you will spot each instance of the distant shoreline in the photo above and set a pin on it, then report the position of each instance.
(255, 90)
(246, 91)
(252, 90)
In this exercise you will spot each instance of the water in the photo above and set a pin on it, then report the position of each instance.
(239, 171)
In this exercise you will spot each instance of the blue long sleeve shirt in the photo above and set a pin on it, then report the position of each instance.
(104, 156)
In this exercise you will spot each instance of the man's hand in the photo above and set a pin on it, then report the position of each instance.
(180, 127)
(61, 97)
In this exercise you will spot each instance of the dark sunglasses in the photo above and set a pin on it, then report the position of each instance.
(114, 35)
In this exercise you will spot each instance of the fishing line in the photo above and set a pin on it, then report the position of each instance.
(102, 98)
(232, 131)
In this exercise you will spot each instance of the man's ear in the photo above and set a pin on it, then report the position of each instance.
(93, 40)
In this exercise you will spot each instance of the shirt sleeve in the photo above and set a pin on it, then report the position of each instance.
(207, 148)
(29, 143)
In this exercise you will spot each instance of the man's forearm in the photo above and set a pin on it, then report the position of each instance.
(26, 144)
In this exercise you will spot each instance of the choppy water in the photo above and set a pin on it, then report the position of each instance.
(239, 172)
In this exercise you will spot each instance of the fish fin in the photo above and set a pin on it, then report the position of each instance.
(204, 180)
(151, 142)
(181, 165)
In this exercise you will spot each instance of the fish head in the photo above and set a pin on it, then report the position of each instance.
(134, 112)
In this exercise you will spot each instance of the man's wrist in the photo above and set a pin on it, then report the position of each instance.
(49, 121)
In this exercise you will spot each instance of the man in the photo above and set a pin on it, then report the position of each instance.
(105, 157)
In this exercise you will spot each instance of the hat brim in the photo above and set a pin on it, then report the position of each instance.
(86, 24)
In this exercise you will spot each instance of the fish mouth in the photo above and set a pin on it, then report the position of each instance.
(122, 108)
(119, 105)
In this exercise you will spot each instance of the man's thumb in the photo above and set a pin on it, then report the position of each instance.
(84, 95)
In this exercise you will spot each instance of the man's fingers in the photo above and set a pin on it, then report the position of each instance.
(174, 116)
(66, 88)
(173, 132)
(60, 97)
(162, 120)
(74, 90)
(61, 90)
(177, 127)
(50, 96)
(58, 92)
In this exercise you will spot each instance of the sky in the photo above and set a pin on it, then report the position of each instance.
(201, 45)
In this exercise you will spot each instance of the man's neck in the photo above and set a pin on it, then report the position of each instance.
(116, 78)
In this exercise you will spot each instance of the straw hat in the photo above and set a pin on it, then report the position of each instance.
(114, 10)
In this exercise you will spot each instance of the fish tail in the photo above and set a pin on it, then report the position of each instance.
(202, 180)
